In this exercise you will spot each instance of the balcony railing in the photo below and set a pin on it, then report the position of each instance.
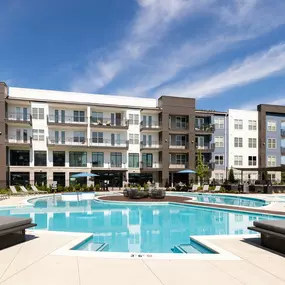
(151, 125)
(51, 119)
(283, 133)
(109, 123)
(109, 143)
(19, 117)
(177, 165)
(179, 127)
(75, 141)
(183, 145)
(22, 140)
(151, 145)
(206, 147)
(207, 128)
(151, 165)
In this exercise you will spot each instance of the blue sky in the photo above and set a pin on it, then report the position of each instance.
(225, 53)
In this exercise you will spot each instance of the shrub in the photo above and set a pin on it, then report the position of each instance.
(91, 188)
(177, 188)
(97, 187)
(60, 188)
(231, 176)
(77, 187)
(185, 188)
(139, 187)
(84, 188)
(70, 188)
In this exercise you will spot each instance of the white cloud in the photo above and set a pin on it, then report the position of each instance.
(149, 26)
(253, 68)
(252, 105)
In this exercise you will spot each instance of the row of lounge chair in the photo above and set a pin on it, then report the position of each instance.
(205, 188)
(24, 191)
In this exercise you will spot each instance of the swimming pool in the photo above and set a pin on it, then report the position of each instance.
(148, 228)
(225, 199)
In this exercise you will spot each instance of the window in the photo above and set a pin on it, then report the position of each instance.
(40, 158)
(271, 143)
(20, 157)
(238, 160)
(116, 159)
(180, 140)
(38, 135)
(181, 122)
(79, 137)
(252, 126)
(272, 176)
(97, 137)
(219, 160)
(58, 158)
(238, 124)
(97, 117)
(252, 160)
(79, 116)
(133, 160)
(271, 160)
(180, 159)
(134, 139)
(133, 119)
(147, 159)
(38, 113)
(238, 142)
(271, 126)
(97, 159)
(252, 142)
(219, 123)
(77, 159)
(219, 176)
(219, 141)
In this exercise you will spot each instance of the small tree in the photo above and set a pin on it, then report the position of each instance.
(264, 176)
(201, 168)
(231, 176)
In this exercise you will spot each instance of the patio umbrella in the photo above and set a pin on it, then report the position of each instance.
(187, 171)
(83, 174)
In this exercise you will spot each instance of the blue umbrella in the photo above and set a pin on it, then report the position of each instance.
(187, 171)
(83, 174)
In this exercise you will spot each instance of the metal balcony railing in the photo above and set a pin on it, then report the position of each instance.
(151, 145)
(154, 165)
(177, 165)
(26, 140)
(19, 117)
(151, 125)
(97, 142)
(74, 141)
(205, 128)
(206, 147)
(109, 122)
(66, 119)
(175, 145)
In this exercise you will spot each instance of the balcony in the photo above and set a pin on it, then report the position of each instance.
(152, 166)
(109, 123)
(151, 146)
(19, 118)
(75, 141)
(283, 133)
(109, 144)
(209, 147)
(151, 126)
(177, 165)
(179, 146)
(205, 129)
(18, 141)
(67, 121)
(282, 149)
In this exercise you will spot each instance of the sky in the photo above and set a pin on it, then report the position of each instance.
(225, 53)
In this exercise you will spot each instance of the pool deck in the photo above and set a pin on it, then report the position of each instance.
(36, 262)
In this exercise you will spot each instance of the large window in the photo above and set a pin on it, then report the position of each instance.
(181, 122)
(219, 123)
(271, 160)
(38, 135)
(238, 142)
(134, 139)
(147, 159)
(133, 160)
(219, 159)
(97, 117)
(180, 159)
(20, 178)
(97, 159)
(20, 157)
(252, 125)
(40, 158)
(271, 126)
(134, 119)
(252, 160)
(271, 143)
(77, 159)
(79, 116)
(40, 178)
(238, 161)
(219, 142)
(59, 158)
(38, 113)
(116, 159)
(97, 137)
(252, 142)
(238, 124)
(79, 137)
(180, 140)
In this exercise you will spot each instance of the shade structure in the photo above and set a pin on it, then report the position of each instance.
(187, 171)
(83, 174)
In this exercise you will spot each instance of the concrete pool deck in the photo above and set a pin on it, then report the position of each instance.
(36, 262)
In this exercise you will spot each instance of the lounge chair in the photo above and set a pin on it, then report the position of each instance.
(12, 230)
(37, 191)
(194, 188)
(23, 188)
(272, 234)
(205, 188)
(217, 189)
(14, 191)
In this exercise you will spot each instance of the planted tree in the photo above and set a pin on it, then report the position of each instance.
(232, 176)
(201, 168)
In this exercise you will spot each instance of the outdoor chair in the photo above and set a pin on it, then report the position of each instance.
(194, 188)
(37, 191)
(217, 189)
(23, 188)
(205, 188)
(14, 191)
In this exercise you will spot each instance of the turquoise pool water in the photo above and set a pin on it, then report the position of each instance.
(154, 228)
(225, 199)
